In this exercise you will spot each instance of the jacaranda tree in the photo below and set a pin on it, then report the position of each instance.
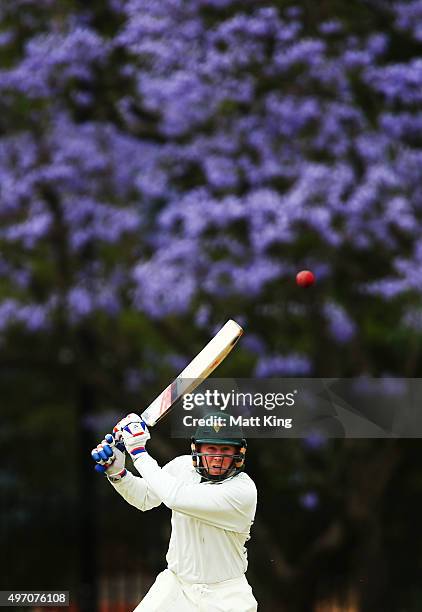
(167, 165)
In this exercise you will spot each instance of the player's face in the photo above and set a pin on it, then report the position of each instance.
(219, 457)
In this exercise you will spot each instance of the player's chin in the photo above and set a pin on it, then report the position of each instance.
(217, 471)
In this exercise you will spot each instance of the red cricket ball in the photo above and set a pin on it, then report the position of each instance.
(305, 278)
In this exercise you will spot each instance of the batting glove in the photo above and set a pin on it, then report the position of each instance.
(110, 458)
(134, 434)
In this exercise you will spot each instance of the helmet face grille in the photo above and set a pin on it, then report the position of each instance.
(200, 462)
(213, 432)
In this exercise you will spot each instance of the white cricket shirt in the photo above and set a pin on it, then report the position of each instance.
(210, 521)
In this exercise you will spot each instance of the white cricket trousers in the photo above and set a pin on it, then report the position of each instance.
(171, 593)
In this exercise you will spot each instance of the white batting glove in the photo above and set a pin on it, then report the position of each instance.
(109, 459)
(133, 431)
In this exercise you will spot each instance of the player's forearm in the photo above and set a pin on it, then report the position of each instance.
(161, 483)
(136, 492)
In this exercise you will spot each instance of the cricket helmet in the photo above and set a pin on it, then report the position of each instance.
(218, 430)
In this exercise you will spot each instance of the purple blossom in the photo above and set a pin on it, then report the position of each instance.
(117, 6)
(309, 500)
(291, 114)
(33, 317)
(107, 301)
(293, 11)
(221, 172)
(6, 37)
(357, 59)
(133, 380)
(80, 303)
(397, 82)
(401, 125)
(30, 231)
(388, 289)
(177, 362)
(251, 279)
(53, 59)
(8, 309)
(314, 441)
(368, 386)
(341, 326)
(278, 365)
(377, 44)
(309, 52)
(91, 220)
(218, 4)
(371, 146)
(224, 279)
(393, 385)
(408, 272)
(161, 290)
(409, 17)
(90, 295)
(331, 27)
(202, 315)
(254, 344)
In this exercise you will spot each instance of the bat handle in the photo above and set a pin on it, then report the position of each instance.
(110, 439)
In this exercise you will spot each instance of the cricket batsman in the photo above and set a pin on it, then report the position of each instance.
(213, 503)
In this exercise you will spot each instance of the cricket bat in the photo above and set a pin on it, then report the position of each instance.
(195, 372)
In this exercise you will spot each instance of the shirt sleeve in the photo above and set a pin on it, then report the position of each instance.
(136, 491)
(230, 505)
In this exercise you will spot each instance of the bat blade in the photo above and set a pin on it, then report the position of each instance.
(195, 372)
